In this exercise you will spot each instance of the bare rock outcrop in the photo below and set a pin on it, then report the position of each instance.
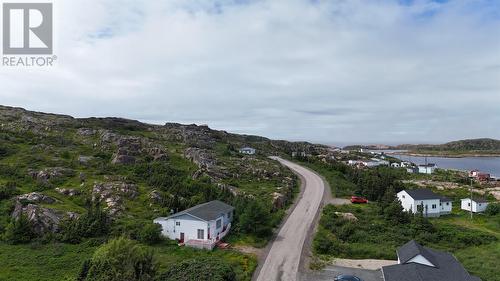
(50, 173)
(113, 194)
(35, 197)
(68, 191)
(201, 157)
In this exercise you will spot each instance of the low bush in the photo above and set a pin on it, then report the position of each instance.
(120, 259)
(19, 231)
(492, 209)
(207, 269)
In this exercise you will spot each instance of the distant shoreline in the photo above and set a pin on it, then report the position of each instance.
(445, 155)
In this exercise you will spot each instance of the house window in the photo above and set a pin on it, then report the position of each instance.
(468, 204)
(434, 206)
(218, 224)
(229, 215)
(447, 203)
(201, 234)
(440, 204)
(177, 223)
(403, 196)
(420, 208)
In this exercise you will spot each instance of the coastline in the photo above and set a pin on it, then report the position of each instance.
(444, 155)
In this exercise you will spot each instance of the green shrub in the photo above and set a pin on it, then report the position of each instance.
(492, 209)
(256, 219)
(150, 233)
(19, 231)
(207, 269)
(7, 191)
(94, 223)
(119, 259)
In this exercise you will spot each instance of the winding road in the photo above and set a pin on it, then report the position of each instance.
(283, 259)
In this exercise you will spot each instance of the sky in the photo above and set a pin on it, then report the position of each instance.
(325, 71)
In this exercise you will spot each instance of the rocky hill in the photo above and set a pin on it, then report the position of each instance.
(52, 166)
(482, 146)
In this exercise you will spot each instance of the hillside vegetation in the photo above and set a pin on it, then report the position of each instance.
(69, 184)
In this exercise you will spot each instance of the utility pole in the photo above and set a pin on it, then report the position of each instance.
(471, 198)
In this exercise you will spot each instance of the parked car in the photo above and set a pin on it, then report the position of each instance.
(357, 199)
(347, 278)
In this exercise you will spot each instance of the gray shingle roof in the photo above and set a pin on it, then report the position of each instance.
(412, 249)
(446, 268)
(207, 211)
(425, 194)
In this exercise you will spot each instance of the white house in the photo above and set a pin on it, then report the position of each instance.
(396, 165)
(425, 201)
(247, 150)
(478, 205)
(427, 168)
(201, 226)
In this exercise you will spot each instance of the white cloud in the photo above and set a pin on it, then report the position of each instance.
(329, 71)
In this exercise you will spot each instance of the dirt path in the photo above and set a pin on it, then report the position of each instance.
(283, 259)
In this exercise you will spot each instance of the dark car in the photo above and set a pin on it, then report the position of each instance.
(357, 199)
(347, 278)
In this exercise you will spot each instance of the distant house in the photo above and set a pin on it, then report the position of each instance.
(406, 164)
(419, 263)
(396, 165)
(427, 168)
(477, 205)
(247, 150)
(425, 201)
(479, 175)
(201, 226)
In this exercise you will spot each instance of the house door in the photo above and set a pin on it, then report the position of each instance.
(182, 237)
(208, 233)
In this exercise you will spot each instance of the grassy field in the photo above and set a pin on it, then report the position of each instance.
(58, 261)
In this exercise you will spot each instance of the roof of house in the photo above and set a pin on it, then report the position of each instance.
(446, 267)
(206, 211)
(477, 200)
(425, 194)
(247, 148)
(412, 249)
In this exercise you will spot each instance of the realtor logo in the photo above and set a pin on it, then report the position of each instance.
(27, 29)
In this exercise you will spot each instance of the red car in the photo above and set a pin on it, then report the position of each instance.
(357, 199)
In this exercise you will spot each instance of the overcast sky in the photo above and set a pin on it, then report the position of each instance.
(333, 71)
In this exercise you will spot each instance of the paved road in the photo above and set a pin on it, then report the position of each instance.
(282, 261)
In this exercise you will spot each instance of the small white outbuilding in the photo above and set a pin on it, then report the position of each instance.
(478, 205)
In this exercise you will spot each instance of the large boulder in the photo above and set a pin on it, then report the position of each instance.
(35, 197)
(347, 216)
(43, 220)
(279, 200)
